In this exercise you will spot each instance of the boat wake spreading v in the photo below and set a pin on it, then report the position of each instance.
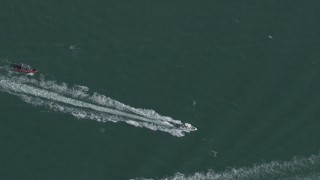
(79, 102)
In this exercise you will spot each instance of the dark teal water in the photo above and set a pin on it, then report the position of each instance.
(245, 73)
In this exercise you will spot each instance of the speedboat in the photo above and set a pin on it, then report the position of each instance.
(189, 127)
(184, 126)
(24, 68)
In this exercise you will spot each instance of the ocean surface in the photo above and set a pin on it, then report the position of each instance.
(118, 78)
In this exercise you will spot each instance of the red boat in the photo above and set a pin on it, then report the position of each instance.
(24, 68)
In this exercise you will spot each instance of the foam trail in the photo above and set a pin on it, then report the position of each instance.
(37, 92)
(78, 102)
(295, 169)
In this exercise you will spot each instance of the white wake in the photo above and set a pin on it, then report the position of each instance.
(78, 101)
(295, 169)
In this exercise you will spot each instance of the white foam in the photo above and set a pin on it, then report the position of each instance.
(78, 102)
(295, 169)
